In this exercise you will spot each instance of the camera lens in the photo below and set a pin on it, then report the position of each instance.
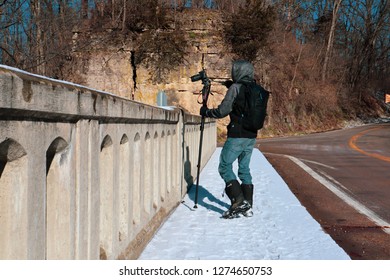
(196, 78)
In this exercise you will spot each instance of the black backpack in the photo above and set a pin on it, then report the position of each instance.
(255, 110)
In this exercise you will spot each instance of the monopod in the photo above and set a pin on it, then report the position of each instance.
(205, 95)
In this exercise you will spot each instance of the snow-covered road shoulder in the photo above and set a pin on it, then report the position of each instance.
(281, 227)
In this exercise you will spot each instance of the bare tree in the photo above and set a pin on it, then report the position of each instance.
(38, 44)
(84, 9)
(247, 29)
(329, 48)
(366, 29)
(99, 4)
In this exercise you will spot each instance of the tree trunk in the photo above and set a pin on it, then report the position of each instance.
(84, 9)
(38, 48)
(295, 71)
(329, 47)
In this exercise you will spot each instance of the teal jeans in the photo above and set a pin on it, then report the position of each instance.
(233, 149)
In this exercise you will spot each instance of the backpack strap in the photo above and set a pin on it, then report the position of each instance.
(244, 91)
(240, 102)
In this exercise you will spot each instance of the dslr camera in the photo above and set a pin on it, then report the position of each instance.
(200, 76)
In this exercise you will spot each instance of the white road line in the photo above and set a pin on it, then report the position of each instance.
(320, 164)
(345, 197)
(334, 181)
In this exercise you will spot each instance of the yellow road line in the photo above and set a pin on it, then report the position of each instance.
(353, 145)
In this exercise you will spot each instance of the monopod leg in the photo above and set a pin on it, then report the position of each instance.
(199, 161)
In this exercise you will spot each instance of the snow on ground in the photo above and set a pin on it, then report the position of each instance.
(281, 228)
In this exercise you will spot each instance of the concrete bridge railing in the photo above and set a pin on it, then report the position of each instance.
(86, 174)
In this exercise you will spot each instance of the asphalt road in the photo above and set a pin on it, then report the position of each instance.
(343, 178)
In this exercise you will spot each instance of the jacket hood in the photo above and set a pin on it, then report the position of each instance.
(242, 71)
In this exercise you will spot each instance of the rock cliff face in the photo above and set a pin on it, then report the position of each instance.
(107, 63)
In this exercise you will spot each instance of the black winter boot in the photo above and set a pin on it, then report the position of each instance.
(239, 204)
(247, 190)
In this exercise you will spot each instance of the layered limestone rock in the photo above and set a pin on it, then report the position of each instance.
(108, 64)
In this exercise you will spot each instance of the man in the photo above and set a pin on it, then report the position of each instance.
(239, 143)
